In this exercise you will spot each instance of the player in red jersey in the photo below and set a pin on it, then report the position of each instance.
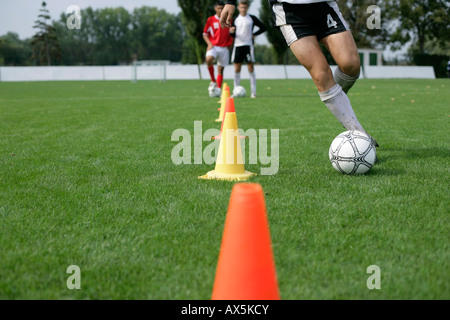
(218, 40)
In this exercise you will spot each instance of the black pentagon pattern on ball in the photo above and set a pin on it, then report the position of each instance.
(359, 158)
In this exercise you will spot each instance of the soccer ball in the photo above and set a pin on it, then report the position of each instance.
(352, 152)
(239, 92)
(215, 92)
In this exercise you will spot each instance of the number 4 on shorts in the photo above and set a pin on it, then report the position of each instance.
(331, 22)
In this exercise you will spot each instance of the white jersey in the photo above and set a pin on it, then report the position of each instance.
(244, 30)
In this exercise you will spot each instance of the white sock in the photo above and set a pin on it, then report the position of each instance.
(345, 81)
(237, 79)
(338, 103)
(252, 82)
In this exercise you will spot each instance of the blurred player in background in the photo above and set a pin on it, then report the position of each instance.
(306, 23)
(448, 68)
(218, 40)
(242, 31)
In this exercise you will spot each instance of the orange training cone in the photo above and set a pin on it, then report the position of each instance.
(246, 267)
(224, 101)
(229, 107)
(229, 161)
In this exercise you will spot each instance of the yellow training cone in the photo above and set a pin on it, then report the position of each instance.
(222, 96)
(224, 102)
(229, 162)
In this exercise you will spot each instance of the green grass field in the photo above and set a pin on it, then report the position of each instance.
(86, 178)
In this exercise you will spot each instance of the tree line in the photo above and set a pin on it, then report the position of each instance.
(108, 36)
(112, 36)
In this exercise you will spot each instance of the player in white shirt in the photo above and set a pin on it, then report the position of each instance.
(242, 31)
(305, 24)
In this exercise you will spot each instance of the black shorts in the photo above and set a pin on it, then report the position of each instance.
(243, 54)
(315, 19)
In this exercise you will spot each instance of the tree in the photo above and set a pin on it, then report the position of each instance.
(189, 55)
(156, 34)
(194, 16)
(111, 27)
(264, 54)
(355, 13)
(75, 46)
(418, 20)
(13, 51)
(44, 42)
(433, 46)
(104, 39)
(273, 33)
(111, 36)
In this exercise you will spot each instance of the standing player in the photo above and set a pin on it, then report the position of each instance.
(242, 31)
(218, 40)
(305, 23)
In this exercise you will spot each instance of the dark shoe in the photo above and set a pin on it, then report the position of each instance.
(375, 143)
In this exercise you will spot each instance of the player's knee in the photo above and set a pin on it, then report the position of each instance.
(322, 76)
(351, 66)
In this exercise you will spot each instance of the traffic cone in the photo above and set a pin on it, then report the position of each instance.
(222, 96)
(223, 103)
(246, 266)
(229, 107)
(229, 161)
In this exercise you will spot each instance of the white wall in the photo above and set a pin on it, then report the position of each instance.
(390, 72)
(190, 72)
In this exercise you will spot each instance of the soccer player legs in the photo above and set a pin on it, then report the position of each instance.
(251, 71)
(211, 55)
(218, 40)
(243, 51)
(303, 28)
(309, 54)
(307, 23)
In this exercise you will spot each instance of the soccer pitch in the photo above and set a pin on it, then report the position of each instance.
(86, 179)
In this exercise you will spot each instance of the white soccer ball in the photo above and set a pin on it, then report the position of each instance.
(215, 92)
(239, 92)
(352, 152)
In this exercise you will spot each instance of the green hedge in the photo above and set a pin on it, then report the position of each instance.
(439, 63)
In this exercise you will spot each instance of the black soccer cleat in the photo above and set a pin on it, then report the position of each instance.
(375, 143)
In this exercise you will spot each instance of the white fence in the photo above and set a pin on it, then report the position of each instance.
(191, 72)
